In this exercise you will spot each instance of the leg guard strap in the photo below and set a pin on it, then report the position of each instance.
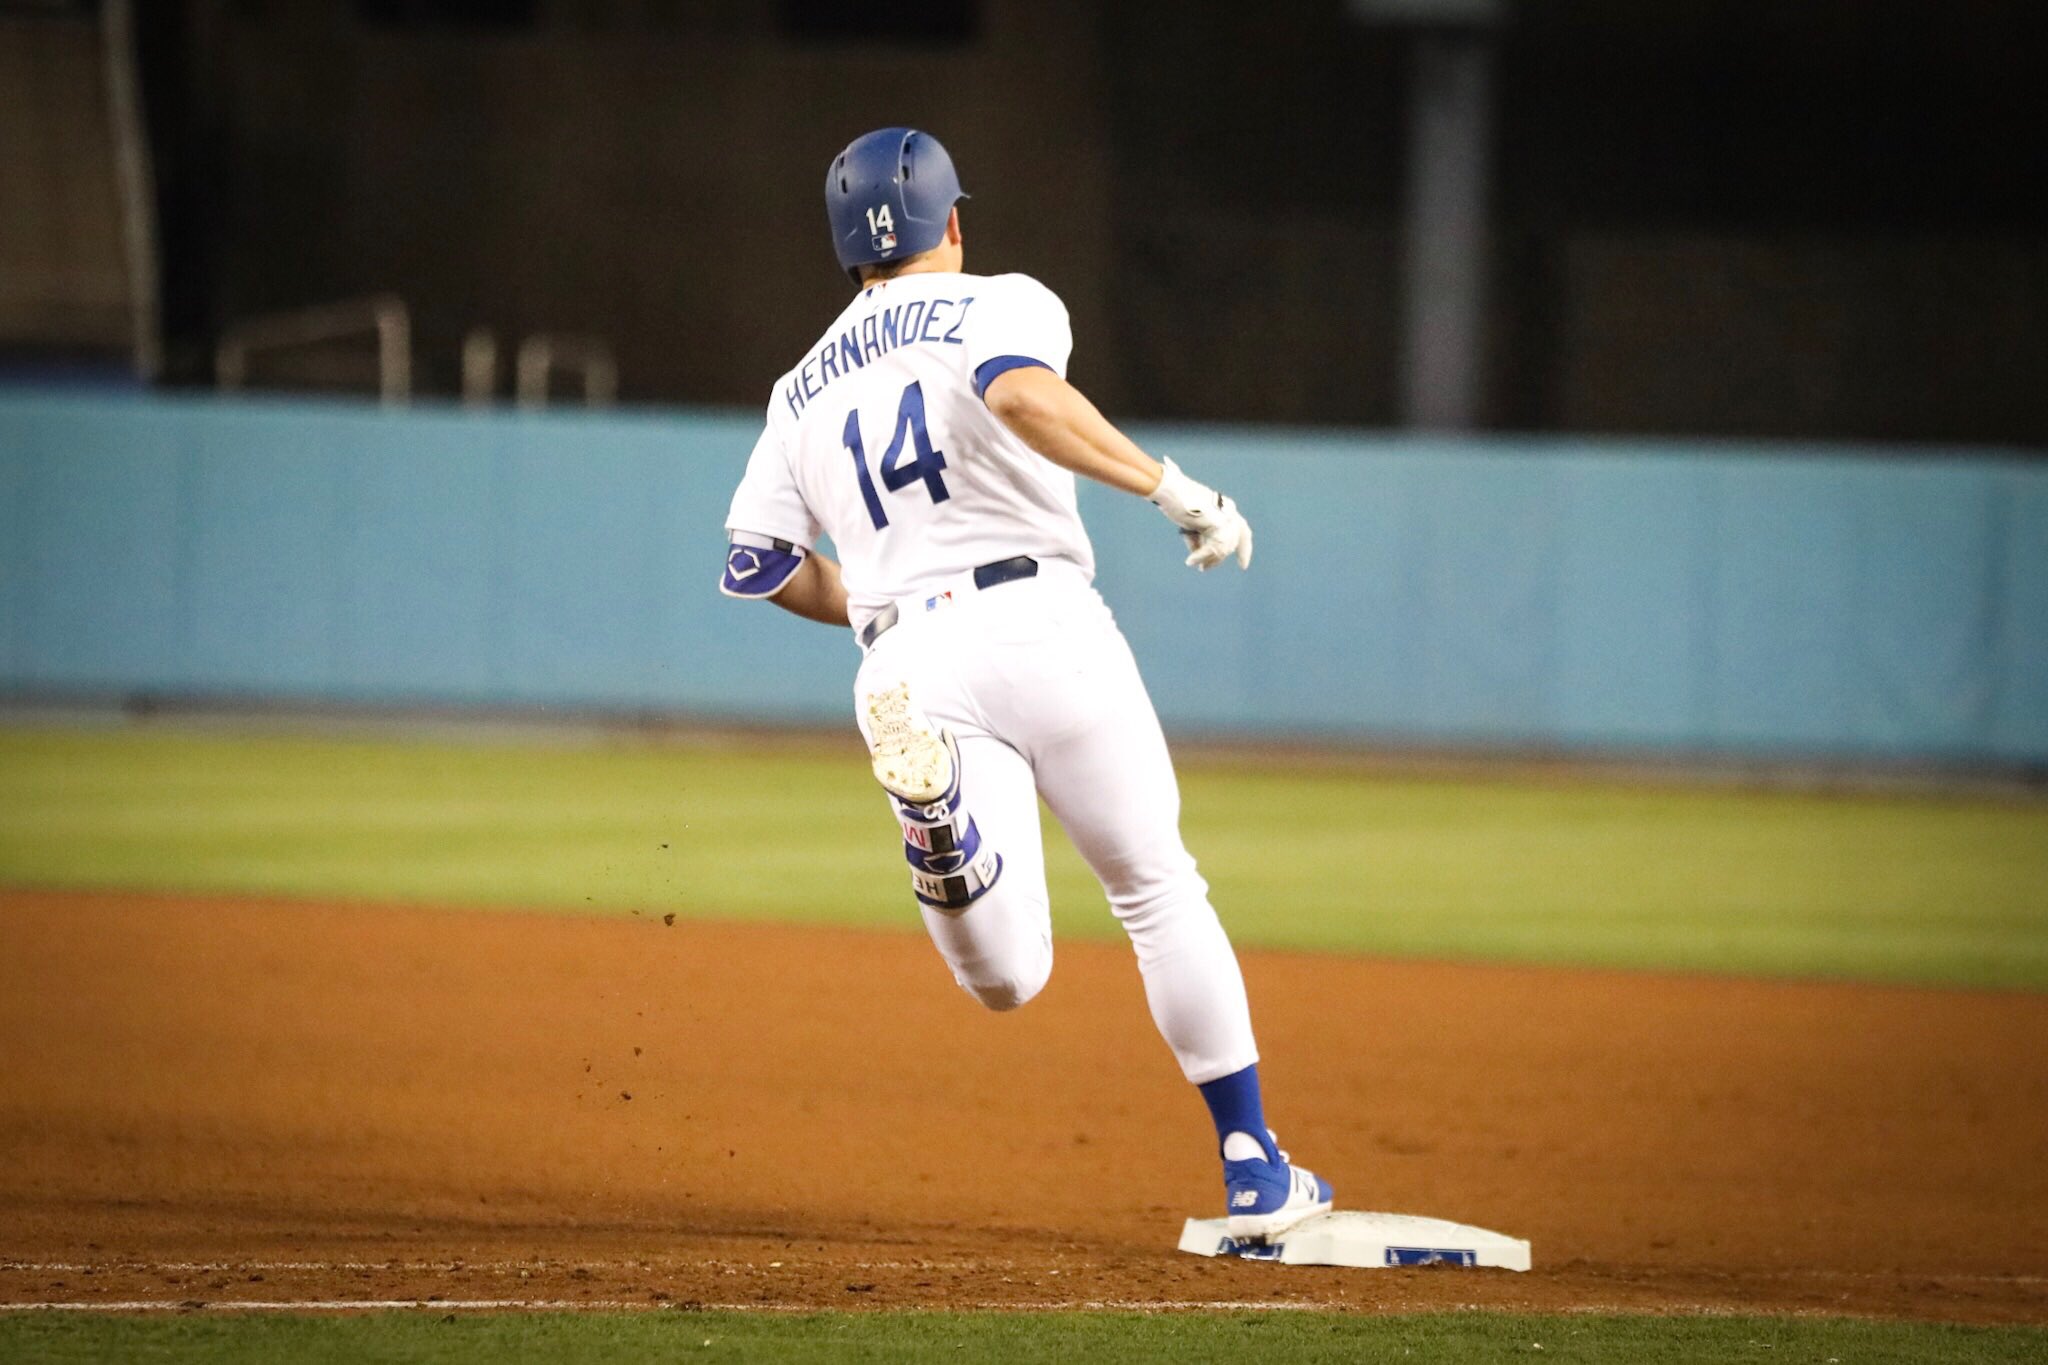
(949, 869)
(960, 889)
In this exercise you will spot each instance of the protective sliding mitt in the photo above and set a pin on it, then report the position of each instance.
(1209, 522)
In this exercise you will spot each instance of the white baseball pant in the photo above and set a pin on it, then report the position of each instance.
(1039, 689)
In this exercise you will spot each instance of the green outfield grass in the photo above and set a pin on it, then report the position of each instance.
(1180, 1338)
(1920, 889)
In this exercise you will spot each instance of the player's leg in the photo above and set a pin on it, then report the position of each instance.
(970, 834)
(1000, 945)
(1113, 789)
(1112, 785)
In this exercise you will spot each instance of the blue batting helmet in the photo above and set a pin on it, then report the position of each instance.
(887, 196)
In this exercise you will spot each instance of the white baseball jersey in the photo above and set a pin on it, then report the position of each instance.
(879, 438)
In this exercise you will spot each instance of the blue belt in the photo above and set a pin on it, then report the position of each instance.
(985, 577)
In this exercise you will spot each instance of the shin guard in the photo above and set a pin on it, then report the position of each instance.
(949, 866)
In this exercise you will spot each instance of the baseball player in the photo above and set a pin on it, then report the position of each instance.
(931, 433)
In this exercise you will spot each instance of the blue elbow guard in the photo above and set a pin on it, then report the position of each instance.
(758, 566)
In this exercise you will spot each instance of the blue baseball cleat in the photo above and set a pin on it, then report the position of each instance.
(1267, 1195)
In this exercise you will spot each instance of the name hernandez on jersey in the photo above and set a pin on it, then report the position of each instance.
(880, 332)
(879, 439)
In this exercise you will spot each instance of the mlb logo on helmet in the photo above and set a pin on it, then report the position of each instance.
(885, 242)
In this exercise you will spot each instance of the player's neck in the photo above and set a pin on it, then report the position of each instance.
(933, 267)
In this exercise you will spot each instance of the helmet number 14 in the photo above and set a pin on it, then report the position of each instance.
(898, 473)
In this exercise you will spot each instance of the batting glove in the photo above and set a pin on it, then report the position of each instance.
(1209, 522)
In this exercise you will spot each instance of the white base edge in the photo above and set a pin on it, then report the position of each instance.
(1375, 1241)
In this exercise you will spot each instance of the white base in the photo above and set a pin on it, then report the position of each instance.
(1373, 1240)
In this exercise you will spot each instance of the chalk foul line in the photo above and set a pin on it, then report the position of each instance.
(637, 1305)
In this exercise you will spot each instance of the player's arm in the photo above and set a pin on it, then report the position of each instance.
(815, 593)
(772, 531)
(1056, 419)
(765, 568)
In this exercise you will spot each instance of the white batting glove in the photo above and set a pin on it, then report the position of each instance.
(1209, 522)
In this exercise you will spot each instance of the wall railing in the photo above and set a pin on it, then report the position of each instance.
(383, 318)
(545, 354)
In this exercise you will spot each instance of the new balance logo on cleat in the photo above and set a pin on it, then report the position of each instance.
(1265, 1198)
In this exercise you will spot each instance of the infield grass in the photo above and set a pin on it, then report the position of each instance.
(1919, 889)
(1181, 1337)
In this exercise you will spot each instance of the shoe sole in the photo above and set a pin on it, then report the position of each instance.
(1263, 1227)
(911, 759)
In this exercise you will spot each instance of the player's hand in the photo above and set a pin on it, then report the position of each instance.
(1209, 522)
(1230, 535)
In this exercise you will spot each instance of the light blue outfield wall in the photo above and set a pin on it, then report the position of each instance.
(1578, 594)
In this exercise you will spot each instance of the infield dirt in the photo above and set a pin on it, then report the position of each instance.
(212, 1101)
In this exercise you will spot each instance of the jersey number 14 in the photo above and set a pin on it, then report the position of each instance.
(897, 472)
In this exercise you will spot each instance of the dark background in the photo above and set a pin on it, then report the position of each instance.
(1802, 218)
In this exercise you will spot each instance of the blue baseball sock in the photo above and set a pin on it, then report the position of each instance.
(1234, 1104)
